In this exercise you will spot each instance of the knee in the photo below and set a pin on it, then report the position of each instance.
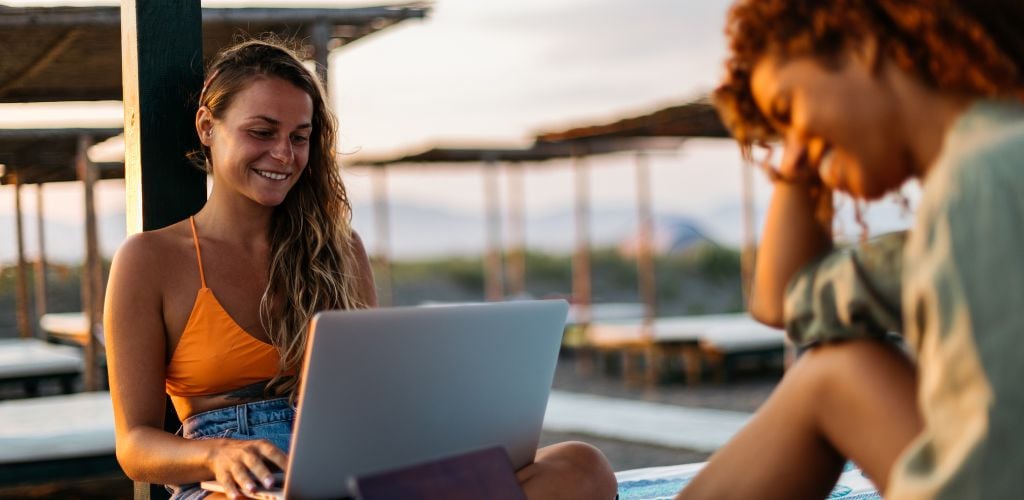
(839, 364)
(587, 469)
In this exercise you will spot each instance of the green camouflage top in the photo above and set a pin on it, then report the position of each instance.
(954, 286)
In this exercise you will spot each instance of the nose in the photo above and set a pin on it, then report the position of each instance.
(282, 151)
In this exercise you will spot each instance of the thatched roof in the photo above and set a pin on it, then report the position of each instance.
(47, 155)
(538, 152)
(74, 53)
(693, 119)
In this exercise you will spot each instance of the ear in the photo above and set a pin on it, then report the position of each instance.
(204, 125)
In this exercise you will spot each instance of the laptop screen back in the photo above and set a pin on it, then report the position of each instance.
(389, 388)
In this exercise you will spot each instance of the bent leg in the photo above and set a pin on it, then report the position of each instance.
(566, 471)
(855, 399)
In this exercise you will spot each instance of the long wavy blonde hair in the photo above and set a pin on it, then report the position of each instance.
(311, 241)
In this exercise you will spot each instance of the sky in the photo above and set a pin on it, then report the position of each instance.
(497, 72)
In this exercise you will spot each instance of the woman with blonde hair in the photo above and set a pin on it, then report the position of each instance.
(865, 95)
(213, 310)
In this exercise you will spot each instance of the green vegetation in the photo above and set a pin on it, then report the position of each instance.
(704, 280)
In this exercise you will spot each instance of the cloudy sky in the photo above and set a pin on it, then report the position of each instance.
(497, 72)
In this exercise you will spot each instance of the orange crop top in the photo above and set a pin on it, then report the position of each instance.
(215, 355)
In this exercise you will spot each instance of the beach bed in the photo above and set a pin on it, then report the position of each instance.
(30, 361)
(56, 437)
(713, 340)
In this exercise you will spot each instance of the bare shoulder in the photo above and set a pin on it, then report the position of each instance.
(151, 257)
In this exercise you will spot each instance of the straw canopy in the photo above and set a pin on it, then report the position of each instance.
(35, 156)
(74, 53)
(693, 119)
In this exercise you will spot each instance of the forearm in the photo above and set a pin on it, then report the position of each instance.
(156, 456)
(797, 231)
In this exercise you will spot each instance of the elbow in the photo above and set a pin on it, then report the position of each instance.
(769, 313)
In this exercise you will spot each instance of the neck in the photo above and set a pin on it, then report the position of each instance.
(235, 220)
(926, 115)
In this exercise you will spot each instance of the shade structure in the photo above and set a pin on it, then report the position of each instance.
(697, 118)
(74, 53)
(36, 156)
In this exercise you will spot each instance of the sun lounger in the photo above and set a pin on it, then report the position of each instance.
(29, 361)
(56, 437)
(723, 336)
(724, 345)
(664, 482)
(68, 327)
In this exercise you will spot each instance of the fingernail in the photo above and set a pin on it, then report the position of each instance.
(250, 486)
(268, 482)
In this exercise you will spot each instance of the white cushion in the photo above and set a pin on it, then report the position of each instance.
(33, 357)
(47, 428)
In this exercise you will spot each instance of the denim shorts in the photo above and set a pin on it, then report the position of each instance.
(272, 420)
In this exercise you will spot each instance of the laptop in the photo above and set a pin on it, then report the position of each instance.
(389, 388)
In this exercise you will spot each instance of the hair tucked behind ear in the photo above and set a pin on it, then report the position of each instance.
(312, 262)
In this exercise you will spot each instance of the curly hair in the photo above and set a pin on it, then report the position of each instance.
(311, 240)
(969, 48)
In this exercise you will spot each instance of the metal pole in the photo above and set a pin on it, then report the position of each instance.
(645, 238)
(321, 37)
(517, 231)
(24, 328)
(581, 292)
(493, 283)
(382, 233)
(40, 271)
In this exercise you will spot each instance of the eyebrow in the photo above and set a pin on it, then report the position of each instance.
(278, 122)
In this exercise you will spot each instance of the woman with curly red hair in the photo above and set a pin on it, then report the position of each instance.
(865, 95)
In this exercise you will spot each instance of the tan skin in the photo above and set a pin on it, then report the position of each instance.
(882, 127)
(153, 284)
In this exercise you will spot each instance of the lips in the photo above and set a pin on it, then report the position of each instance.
(274, 176)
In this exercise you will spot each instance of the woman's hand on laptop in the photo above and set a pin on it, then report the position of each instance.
(238, 464)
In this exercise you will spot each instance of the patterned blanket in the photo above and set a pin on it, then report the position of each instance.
(657, 483)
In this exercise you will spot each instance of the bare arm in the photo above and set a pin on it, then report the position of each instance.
(797, 231)
(136, 357)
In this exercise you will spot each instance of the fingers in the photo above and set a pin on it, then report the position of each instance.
(242, 477)
(273, 454)
(258, 469)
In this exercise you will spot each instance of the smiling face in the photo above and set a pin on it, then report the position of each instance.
(260, 146)
(840, 121)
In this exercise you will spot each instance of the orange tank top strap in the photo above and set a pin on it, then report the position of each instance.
(199, 255)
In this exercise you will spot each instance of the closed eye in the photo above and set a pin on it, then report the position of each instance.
(782, 109)
(262, 134)
(300, 139)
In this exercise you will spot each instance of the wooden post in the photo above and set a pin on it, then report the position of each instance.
(516, 268)
(382, 234)
(92, 278)
(749, 249)
(581, 293)
(162, 76)
(645, 239)
(320, 37)
(493, 283)
(40, 268)
(24, 327)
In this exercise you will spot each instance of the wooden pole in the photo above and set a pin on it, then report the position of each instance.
(40, 268)
(24, 327)
(320, 37)
(581, 292)
(162, 75)
(92, 279)
(493, 283)
(645, 239)
(516, 269)
(382, 233)
(748, 253)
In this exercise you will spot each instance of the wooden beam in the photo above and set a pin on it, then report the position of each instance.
(92, 278)
(162, 75)
(382, 236)
(516, 268)
(645, 239)
(494, 287)
(51, 53)
(24, 327)
(320, 37)
(40, 267)
(581, 288)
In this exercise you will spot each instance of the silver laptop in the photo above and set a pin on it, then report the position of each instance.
(389, 388)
